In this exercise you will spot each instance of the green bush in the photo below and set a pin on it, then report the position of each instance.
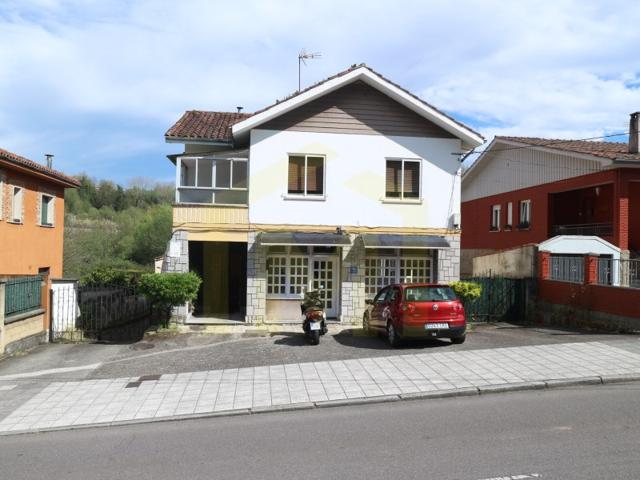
(166, 290)
(467, 291)
(107, 275)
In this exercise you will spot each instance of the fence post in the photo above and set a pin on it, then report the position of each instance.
(2, 290)
(591, 269)
(544, 270)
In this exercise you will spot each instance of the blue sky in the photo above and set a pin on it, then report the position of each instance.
(98, 83)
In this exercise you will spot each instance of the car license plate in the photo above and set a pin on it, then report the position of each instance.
(435, 326)
(314, 326)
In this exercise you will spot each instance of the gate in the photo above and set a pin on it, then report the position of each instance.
(95, 312)
(501, 299)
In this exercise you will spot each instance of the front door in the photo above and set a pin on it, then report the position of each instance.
(324, 280)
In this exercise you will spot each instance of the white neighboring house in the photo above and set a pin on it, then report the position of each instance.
(344, 187)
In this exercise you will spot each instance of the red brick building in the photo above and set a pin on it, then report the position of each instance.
(525, 190)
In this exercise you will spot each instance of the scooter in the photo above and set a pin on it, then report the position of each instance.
(314, 317)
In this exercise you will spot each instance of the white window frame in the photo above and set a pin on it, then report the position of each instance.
(50, 211)
(213, 161)
(12, 216)
(496, 213)
(381, 264)
(289, 258)
(525, 212)
(305, 195)
(180, 187)
(401, 198)
(509, 215)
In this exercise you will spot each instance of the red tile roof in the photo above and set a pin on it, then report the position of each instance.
(196, 124)
(609, 150)
(55, 175)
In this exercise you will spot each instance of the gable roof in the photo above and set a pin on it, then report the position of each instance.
(609, 150)
(26, 164)
(604, 152)
(224, 126)
(200, 125)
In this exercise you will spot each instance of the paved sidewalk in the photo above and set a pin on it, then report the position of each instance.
(317, 384)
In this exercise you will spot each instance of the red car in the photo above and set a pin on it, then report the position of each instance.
(416, 310)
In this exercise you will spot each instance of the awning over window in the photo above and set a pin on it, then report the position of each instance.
(309, 239)
(387, 240)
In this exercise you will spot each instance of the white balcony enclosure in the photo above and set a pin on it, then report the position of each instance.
(212, 179)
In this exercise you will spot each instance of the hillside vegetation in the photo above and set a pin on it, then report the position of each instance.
(107, 225)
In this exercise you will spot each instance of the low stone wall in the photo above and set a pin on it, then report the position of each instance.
(466, 259)
(22, 334)
(517, 262)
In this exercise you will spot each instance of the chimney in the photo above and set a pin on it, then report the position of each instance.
(49, 157)
(239, 109)
(634, 126)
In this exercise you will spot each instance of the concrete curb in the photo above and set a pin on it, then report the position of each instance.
(450, 393)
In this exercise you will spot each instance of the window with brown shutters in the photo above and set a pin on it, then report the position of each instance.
(411, 180)
(402, 179)
(306, 175)
(394, 178)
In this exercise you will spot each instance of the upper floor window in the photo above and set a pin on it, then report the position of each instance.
(525, 214)
(509, 215)
(306, 175)
(495, 217)
(402, 179)
(46, 210)
(17, 194)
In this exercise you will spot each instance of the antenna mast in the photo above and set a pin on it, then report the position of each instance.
(303, 56)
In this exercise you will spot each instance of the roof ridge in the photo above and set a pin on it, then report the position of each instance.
(32, 165)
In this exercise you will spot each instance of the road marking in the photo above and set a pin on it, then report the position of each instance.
(515, 477)
(39, 373)
(4, 388)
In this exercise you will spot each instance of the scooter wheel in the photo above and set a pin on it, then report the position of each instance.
(315, 337)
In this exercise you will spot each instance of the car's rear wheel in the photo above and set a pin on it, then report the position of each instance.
(392, 335)
(458, 340)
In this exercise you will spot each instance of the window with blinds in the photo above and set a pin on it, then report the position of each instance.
(306, 175)
(402, 179)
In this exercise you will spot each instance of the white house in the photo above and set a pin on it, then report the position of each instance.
(344, 187)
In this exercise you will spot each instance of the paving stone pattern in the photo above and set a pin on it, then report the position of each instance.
(104, 401)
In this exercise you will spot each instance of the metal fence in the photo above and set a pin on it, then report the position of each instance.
(22, 295)
(87, 312)
(567, 268)
(623, 273)
(501, 299)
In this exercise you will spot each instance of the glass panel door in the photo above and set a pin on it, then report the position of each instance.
(324, 271)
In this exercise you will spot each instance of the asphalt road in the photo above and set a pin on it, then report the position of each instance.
(581, 433)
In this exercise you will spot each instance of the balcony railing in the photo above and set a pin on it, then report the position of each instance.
(598, 229)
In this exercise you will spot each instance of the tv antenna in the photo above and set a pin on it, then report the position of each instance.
(303, 56)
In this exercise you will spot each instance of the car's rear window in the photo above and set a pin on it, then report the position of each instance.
(429, 294)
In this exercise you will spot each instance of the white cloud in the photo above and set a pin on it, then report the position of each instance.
(92, 73)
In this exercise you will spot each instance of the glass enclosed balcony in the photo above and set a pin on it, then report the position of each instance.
(215, 179)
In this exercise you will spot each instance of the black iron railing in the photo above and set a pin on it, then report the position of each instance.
(598, 229)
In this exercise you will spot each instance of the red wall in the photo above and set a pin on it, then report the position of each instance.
(634, 216)
(476, 214)
(613, 300)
